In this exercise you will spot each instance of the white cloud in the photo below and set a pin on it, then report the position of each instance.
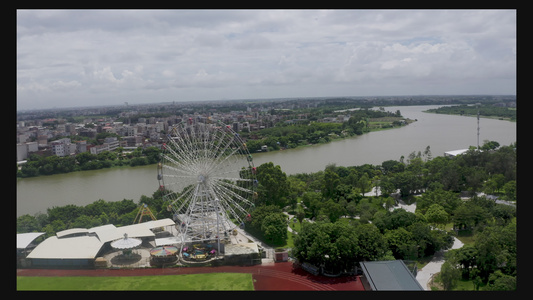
(203, 54)
(64, 86)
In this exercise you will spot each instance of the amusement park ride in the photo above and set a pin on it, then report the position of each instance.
(208, 179)
(144, 211)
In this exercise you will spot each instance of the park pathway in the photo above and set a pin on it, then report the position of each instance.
(425, 274)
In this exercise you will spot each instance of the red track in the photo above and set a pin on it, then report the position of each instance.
(279, 276)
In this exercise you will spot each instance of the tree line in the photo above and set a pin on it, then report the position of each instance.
(100, 212)
(296, 132)
(485, 109)
(48, 165)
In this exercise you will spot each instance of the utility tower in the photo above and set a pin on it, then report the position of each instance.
(478, 104)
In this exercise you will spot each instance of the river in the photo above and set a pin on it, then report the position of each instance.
(440, 132)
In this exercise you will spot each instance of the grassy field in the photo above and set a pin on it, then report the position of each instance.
(188, 282)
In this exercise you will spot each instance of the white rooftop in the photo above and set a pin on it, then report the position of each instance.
(244, 248)
(25, 239)
(455, 152)
(167, 241)
(87, 246)
(64, 233)
(106, 233)
(79, 247)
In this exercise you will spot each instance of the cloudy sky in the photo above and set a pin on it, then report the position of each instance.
(69, 58)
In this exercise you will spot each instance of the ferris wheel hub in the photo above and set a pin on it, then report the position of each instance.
(201, 178)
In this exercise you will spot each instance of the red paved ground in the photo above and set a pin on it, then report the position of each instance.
(281, 276)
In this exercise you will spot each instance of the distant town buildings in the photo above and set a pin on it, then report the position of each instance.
(39, 133)
(50, 136)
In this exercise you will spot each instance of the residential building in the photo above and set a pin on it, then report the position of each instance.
(23, 138)
(110, 144)
(133, 141)
(81, 146)
(24, 150)
(42, 140)
(63, 147)
(88, 132)
(130, 131)
(98, 149)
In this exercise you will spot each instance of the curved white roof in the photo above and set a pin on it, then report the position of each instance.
(79, 247)
(25, 239)
(87, 246)
(64, 233)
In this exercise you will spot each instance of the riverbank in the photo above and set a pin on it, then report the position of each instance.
(472, 115)
(377, 126)
(373, 126)
(441, 132)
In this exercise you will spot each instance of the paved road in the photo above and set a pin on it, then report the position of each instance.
(424, 275)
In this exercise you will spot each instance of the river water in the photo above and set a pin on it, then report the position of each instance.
(440, 132)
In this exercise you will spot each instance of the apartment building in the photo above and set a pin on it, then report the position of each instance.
(24, 150)
(110, 144)
(63, 147)
(81, 146)
(133, 141)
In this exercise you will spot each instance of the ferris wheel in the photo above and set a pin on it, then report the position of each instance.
(208, 178)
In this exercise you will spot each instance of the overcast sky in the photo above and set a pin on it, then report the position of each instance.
(69, 58)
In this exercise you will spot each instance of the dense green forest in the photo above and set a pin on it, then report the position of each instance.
(350, 223)
(343, 221)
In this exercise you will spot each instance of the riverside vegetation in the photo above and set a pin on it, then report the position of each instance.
(485, 109)
(341, 222)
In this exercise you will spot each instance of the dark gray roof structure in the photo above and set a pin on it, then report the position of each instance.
(390, 275)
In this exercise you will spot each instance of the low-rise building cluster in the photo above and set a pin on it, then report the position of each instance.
(51, 136)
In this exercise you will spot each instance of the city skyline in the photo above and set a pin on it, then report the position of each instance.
(76, 58)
